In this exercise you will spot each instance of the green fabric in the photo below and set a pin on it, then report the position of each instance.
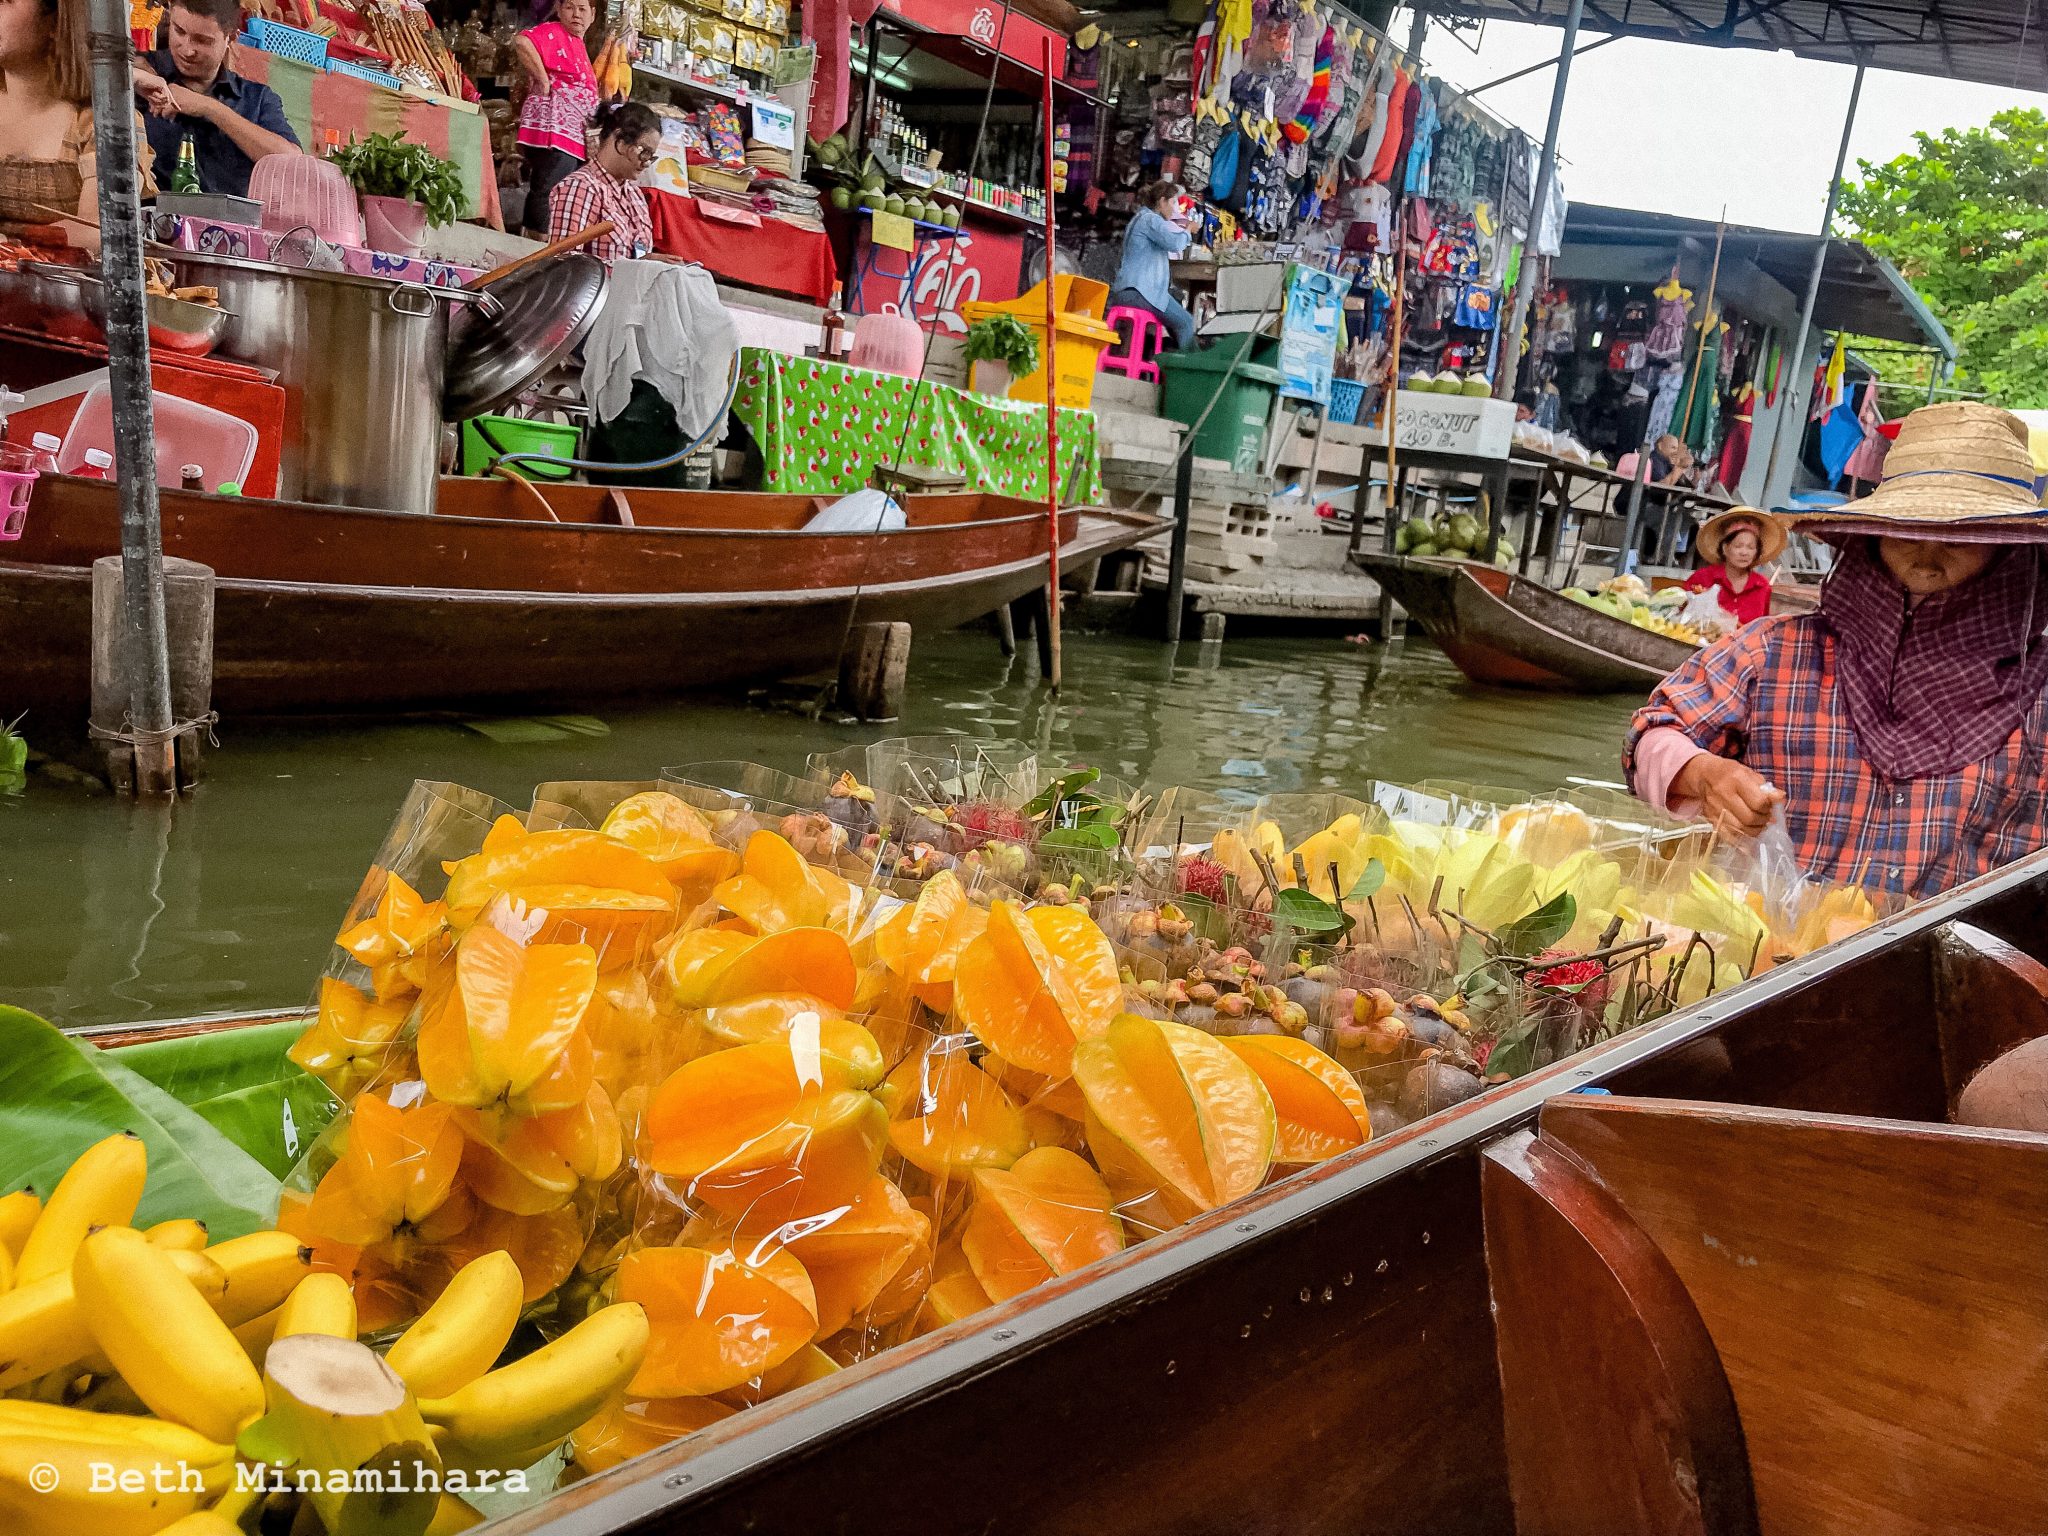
(1698, 427)
(823, 427)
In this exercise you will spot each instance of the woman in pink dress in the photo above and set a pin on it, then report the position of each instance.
(562, 94)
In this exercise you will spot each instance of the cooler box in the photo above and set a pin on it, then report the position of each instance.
(1235, 431)
(1080, 302)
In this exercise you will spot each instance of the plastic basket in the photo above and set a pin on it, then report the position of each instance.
(1346, 395)
(515, 434)
(15, 489)
(368, 72)
(287, 42)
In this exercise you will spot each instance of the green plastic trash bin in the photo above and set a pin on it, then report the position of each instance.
(514, 434)
(1235, 431)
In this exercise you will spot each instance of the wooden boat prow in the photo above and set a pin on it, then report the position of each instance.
(512, 595)
(1772, 1291)
(1507, 631)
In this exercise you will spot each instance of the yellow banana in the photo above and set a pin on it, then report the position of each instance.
(175, 1441)
(320, 1303)
(169, 1345)
(262, 1270)
(101, 1189)
(450, 1515)
(6, 1270)
(186, 1233)
(53, 1487)
(538, 1400)
(203, 1522)
(42, 1328)
(18, 1213)
(462, 1334)
(256, 1335)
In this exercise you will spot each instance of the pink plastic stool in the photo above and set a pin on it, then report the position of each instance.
(1139, 338)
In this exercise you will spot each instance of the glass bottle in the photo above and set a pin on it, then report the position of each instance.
(186, 177)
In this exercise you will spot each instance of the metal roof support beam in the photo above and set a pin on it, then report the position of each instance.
(1794, 413)
(1530, 69)
(1546, 172)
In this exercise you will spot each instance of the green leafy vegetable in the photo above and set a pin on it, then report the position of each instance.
(58, 1097)
(385, 165)
(1003, 338)
(242, 1083)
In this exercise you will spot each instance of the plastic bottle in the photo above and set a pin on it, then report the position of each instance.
(97, 466)
(43, 446)
(191, 477)
(831, 329)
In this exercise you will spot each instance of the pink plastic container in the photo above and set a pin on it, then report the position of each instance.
(889, 341)
(187, 432)
(17, 482)
(304, 190)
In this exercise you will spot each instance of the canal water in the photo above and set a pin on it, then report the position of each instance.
(112, 913)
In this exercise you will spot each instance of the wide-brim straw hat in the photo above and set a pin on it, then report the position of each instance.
(1770, 533)
(1960, 472)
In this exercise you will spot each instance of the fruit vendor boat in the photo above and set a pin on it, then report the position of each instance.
(1507, 631)
(511, 595)
(1756, 1282)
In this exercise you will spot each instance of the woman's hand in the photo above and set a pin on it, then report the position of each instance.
(1737, 800)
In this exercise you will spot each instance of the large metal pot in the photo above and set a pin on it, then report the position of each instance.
(360, 360)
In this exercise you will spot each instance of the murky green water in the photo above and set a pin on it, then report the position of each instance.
(110, 912)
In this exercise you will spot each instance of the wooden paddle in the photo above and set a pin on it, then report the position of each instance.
(555, 248)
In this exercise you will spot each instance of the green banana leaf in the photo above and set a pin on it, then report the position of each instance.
(242, 1083)
(58, 1097)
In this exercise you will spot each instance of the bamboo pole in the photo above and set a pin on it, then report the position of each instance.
(1706, 319)
(145, 650)
(1052, 412)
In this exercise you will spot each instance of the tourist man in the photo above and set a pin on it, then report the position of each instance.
(1902, 728)
(189, 91)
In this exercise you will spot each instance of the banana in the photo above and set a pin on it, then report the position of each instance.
(6, 1270)
(262, 1269)
(18, 1213)
(202, 1522)
(186, 1233)
(538, 1400)
(320, 1303)
(58, 1423)
(48, 1487)
(257, 1335)
(169, 1345)
(43, 1329)
(452, 1515)
(101, 1189)
(462, 1334)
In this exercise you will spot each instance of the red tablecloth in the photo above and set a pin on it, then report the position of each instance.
(775, 256)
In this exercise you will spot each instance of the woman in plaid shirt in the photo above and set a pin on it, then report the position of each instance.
(1903, 726)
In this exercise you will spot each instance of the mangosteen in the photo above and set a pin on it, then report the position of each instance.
(1434, 1085)
(1315, 996)
(1384, 1118)
(1202, 1016)
(1429, 1030)
(1260, 1024)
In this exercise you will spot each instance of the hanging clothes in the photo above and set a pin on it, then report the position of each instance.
(1426, 121)
(1840, 436)
(1867, 462)
(1664, 404)
(1735, 447)
(1700, 402)
(1827, 389)
(1398, 99)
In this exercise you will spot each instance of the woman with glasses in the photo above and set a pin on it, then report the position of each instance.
(607, 187)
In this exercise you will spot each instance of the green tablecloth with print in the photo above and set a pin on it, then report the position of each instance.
(823, 427)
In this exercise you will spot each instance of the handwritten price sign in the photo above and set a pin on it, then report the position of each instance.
(1426, 423)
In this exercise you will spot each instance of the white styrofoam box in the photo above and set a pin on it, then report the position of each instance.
(1120, 392)
(1431, 423)
(1250, 288)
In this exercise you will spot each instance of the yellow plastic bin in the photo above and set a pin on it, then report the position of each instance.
(1080, 302)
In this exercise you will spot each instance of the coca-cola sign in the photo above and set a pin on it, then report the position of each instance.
(983, 22)
(983, 27)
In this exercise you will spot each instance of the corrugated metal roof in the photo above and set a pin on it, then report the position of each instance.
(2000, 42)
(1860, 292)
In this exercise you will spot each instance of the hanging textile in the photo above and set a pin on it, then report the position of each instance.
(1774, 369)
(1867, 462)
(1700, 400)
(1735, 448)
(1827, 391)
(1840, 436)
(1664, 405)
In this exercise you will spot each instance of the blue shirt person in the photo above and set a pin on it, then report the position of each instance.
(190, 92)
(1150, 244)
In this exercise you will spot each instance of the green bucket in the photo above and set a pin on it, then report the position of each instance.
(514, 434)
(1235, 430)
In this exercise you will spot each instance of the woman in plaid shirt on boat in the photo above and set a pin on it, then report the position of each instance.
(1902, 727)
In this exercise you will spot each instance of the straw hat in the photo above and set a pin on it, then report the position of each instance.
(1770, 533)
(1954, 470)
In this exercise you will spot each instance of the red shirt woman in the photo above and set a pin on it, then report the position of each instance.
(1738, 541)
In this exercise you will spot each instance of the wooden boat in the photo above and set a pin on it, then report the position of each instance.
(1508, 631)
(1768, 1290)
(512, 595)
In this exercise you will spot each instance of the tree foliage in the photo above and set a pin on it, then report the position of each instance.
(1965, 218)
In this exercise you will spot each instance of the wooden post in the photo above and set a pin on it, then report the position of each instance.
(1699, 352)
(1212, 628)
(1177, 548)
(1050, 645)
(872, 670)
(188, 609)
(147, 663)
(1006, 630)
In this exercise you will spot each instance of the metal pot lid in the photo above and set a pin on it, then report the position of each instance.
(543, 313)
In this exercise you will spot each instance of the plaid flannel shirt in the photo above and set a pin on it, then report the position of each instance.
(1766, 696)
(588, 196)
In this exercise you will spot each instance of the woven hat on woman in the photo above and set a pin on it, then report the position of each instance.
(1714, 532)
(1960, 472)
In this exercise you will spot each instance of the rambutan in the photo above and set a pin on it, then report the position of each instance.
(1204, 878)
(983, 822)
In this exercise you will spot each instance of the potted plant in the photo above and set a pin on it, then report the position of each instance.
(404, 188)
(999, 350)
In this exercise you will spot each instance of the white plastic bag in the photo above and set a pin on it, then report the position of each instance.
(1703, 611)
(862, 512)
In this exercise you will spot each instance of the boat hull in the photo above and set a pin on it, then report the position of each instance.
(1509, 632)
(593, 611)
